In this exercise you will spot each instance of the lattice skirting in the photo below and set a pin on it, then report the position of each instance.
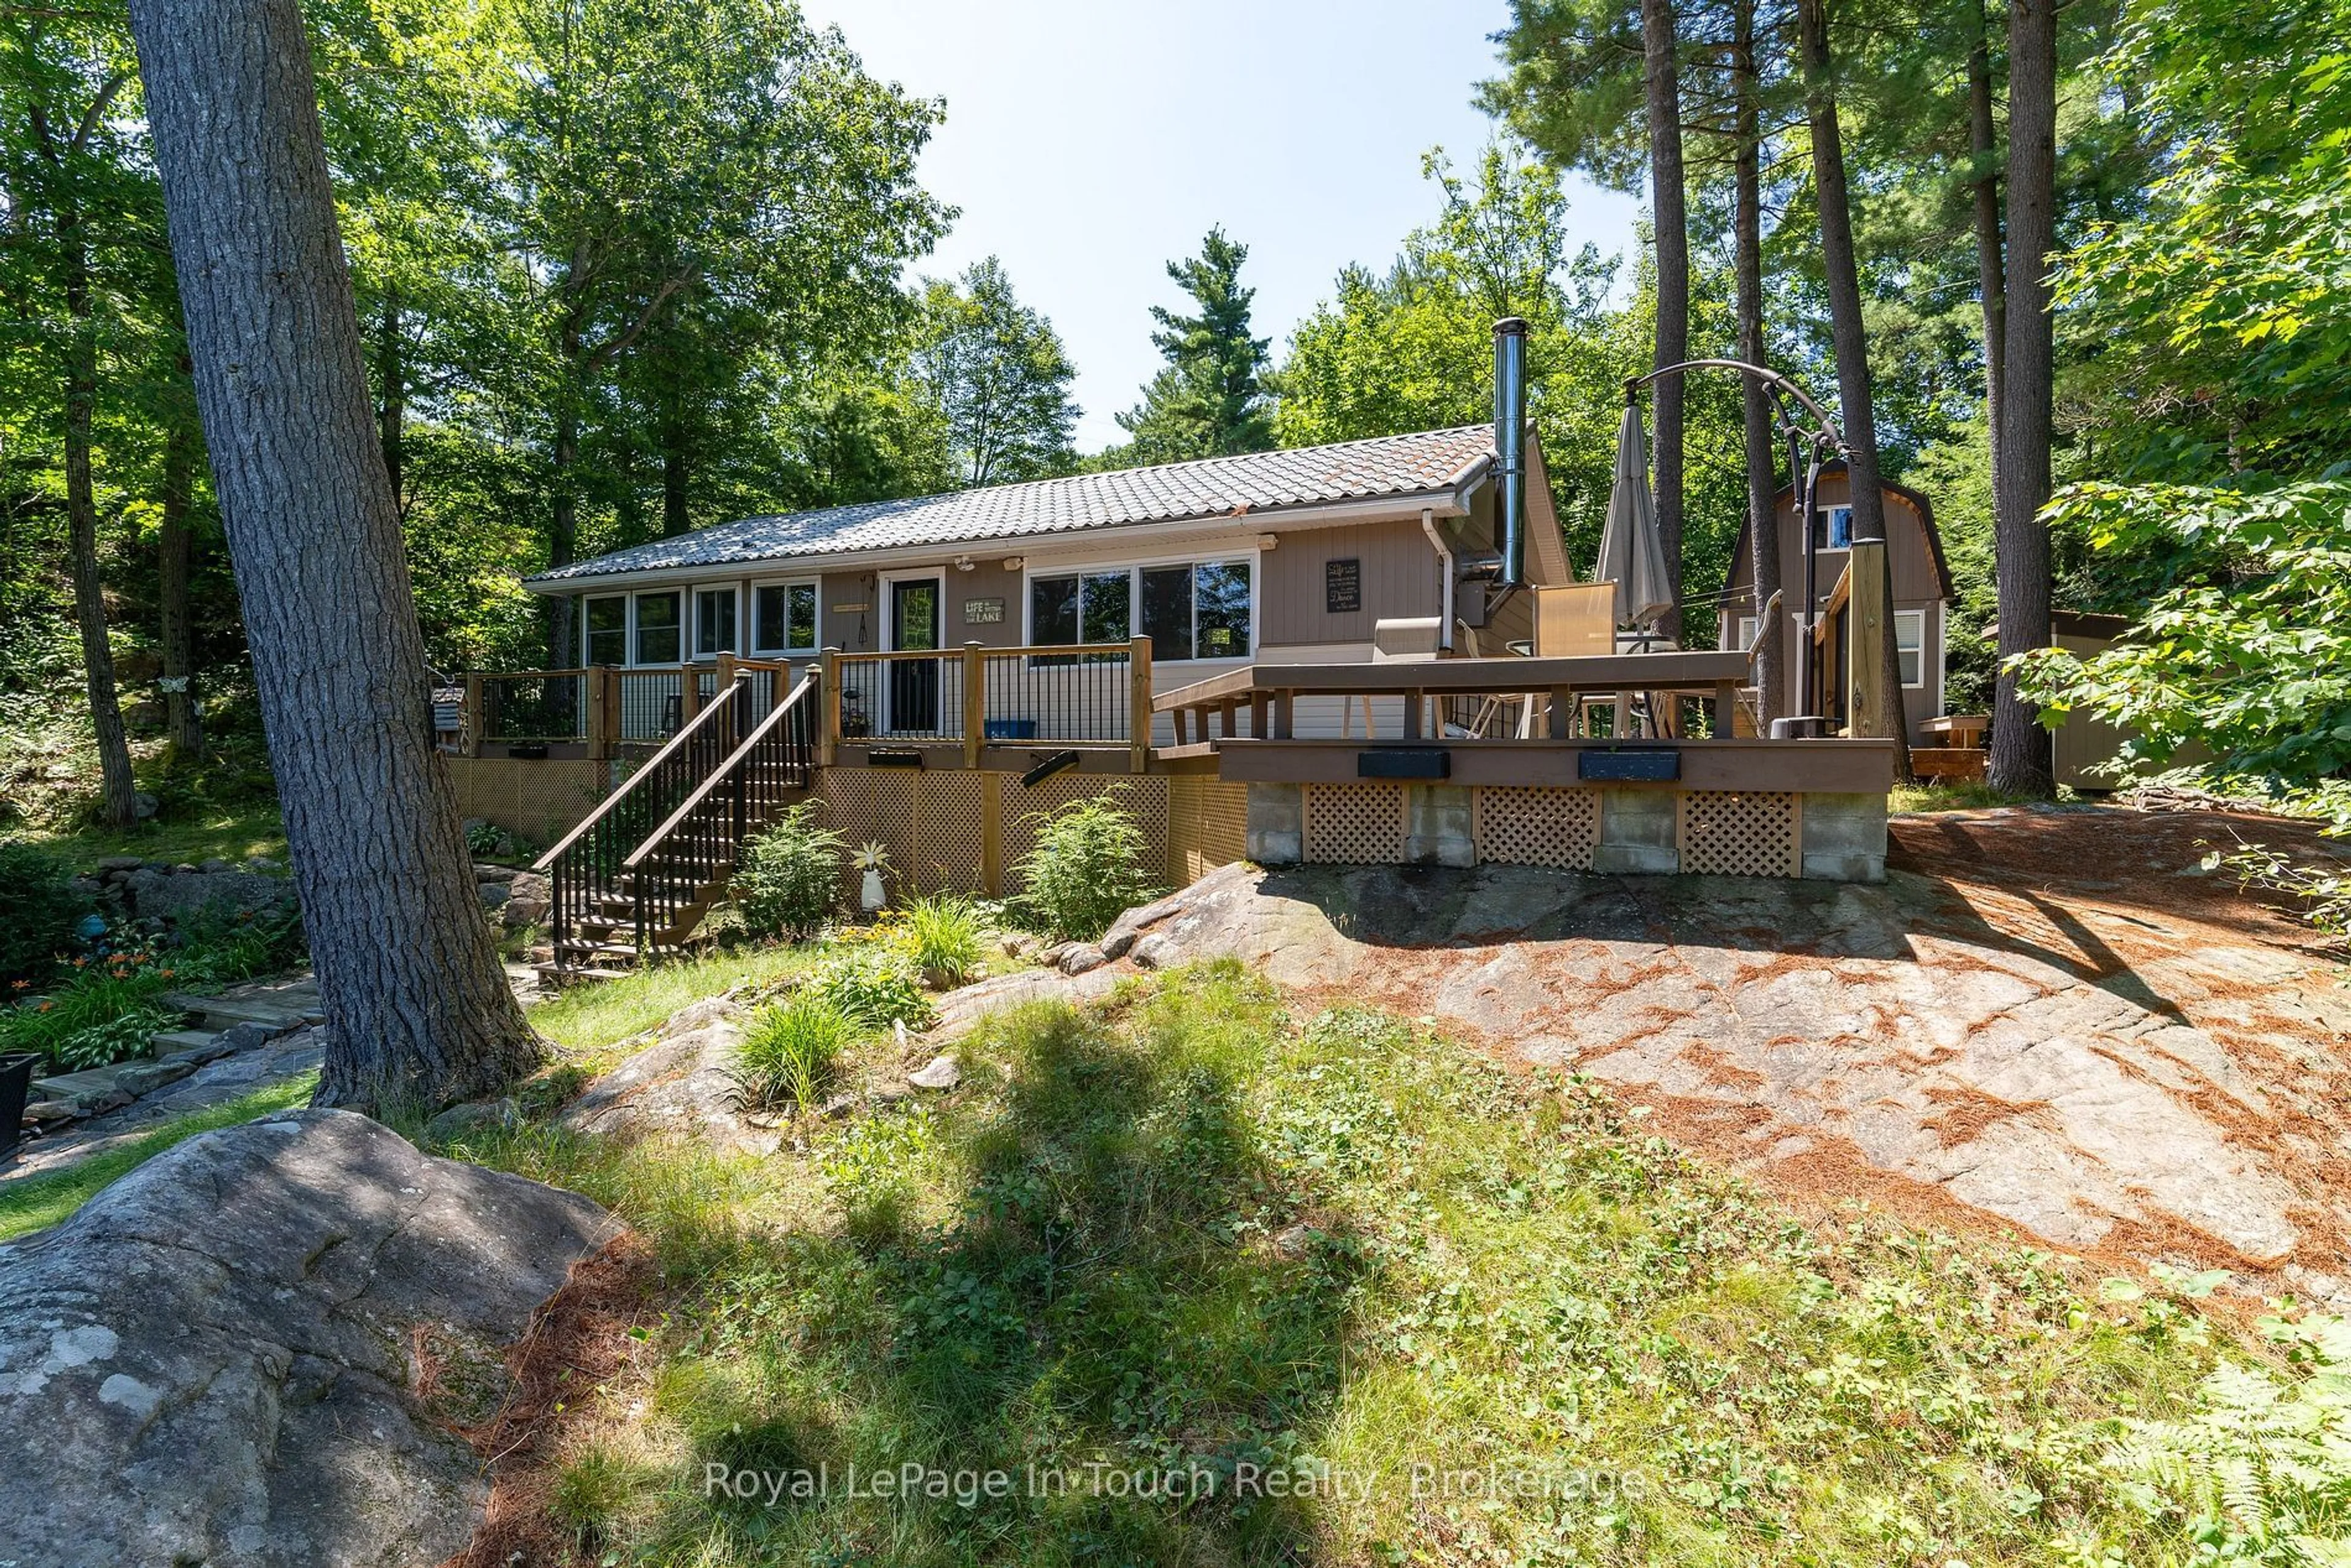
(1741, 833)
(536, 798)
(1354, 825)
(1142, 798)
(1208, 826)
(1537, 825)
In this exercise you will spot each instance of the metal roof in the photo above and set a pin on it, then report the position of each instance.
(1385, 465)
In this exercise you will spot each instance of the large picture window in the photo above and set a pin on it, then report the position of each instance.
(783, 618)
(608, 631)
(1190, 610)
(657, 630)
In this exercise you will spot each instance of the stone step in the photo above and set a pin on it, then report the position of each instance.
(171, 1040)
(276, 1010)
(84, 1087)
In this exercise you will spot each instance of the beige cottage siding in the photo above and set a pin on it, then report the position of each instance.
(1917, 586)
(1400, 576)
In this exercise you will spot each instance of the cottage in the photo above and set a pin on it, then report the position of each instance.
(1372, 652)
(1922, 596)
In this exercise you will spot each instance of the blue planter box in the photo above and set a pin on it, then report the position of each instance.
(1010, 729)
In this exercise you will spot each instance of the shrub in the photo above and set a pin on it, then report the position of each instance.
(789, 879)
(220, 945)
(106, 1011)
(38, 911)
(873, 987)
(791, 1052)
(1086, 871)
(945, 932)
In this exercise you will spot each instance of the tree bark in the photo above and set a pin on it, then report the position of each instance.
(418, 1009)
(2021, 761)
(391, 370)
(1668, 202)
(1849, 336)
(183, 724)
(1762, 456)
(1983, 146)
(562, 531)
(118, 797)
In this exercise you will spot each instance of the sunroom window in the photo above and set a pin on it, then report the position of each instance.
(783, 618)
(608, 631)
(657, 638)
(714, 621)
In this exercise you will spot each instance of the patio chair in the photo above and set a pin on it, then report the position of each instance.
(1572, 621)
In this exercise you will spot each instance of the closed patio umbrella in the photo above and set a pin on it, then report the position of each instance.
(1632, 556)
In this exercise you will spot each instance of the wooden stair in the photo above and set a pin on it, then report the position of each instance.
(633, 880)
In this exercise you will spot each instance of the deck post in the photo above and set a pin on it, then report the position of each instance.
(1257, 704)
(1284, 711)
(477, 718)
(1138, 706)
(827, 729)
(975, 703)
(1563, 712)
(604, 711)
(689, 693)
(1873, 711)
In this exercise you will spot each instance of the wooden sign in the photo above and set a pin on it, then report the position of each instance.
(1342, 586)
(983, 613)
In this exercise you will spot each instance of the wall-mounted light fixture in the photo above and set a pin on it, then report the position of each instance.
(1267, 541)
(964, 564)
(1014, 562)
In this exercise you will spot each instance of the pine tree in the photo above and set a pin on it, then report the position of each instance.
(1210, 400)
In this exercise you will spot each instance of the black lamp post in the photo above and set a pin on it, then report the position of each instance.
(1809, 445)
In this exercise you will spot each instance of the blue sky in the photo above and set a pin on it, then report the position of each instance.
(1088, 141)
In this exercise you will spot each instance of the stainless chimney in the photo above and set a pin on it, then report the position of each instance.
(1510, 448)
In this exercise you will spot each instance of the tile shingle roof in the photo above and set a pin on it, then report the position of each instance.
(1210, 487)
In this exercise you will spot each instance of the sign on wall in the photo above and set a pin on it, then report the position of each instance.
(982, 611)
(1342, 586)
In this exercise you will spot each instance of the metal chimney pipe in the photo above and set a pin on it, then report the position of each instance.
(1510, 447)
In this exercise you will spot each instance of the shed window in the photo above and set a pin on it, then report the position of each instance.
(1910, 642)
(657, 639)
(608, 631)
(1833, 528)
(783, 618)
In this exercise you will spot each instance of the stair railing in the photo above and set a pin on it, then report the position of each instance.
(586, 867)
(677, 867)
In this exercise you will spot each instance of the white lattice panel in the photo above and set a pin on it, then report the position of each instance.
(1739, 832)
(1537, 825)
(1354, 825)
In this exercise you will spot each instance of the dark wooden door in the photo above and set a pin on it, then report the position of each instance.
(915, 683)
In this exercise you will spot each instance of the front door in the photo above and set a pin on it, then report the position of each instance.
(915, 683)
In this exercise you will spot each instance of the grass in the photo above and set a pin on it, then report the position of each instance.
(36, 1203)
(1962, 795)
(232, 833)
(598, 1014)
(1190, 1233)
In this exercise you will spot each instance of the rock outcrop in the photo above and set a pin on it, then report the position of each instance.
(251, 1352)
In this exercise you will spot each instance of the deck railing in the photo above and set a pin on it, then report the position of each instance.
(601, 709)
(1088, 694)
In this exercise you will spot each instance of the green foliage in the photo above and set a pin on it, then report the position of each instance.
(873, 987)
(2251, 659)
(104, 1012)
(788, 879)
(1088, 869)
(1210, 400)
(946, 933)
(2322, 892)
(791, 1050)
(38, 911)
(1000, 377)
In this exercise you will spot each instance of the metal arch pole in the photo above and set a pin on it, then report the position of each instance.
(1804, 472)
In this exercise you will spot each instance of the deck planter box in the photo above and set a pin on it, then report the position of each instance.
(15, 1082)
(1630, 765)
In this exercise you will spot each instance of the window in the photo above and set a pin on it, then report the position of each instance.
(608, 631)
(783, 618)
(657, 641)
(1093, 608)
(1833, 528)
(1910, 642)
(1746, 633)
(714, 621)
(1190, 610)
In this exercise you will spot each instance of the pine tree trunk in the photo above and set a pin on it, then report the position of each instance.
(418, 1009)
(1668, 203)
(1983, 146)
(1762, 456)
(562, 534)
(118, 797)
(181, 723)
(1850, 339)
(2021, 761)
(391, 370)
